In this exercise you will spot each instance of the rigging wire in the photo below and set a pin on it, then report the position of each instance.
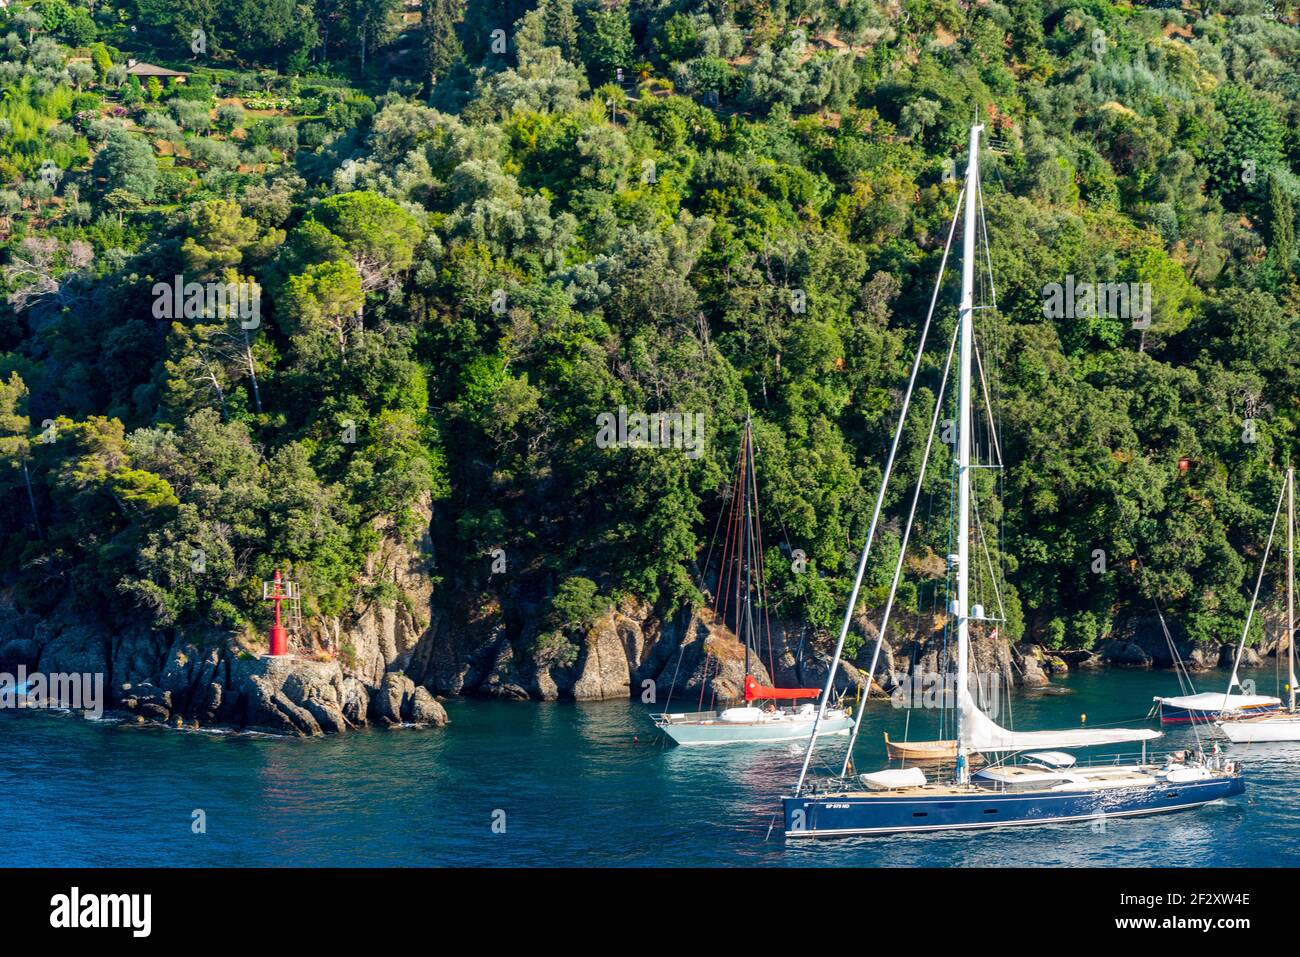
(880, 500)
(1254, 598)
(762, 566)
(902, 548)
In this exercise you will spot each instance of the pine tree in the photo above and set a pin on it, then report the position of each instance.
(442, 48)
(562, 28)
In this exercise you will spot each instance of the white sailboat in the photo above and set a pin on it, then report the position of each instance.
(761, 718)
(1285, 725)
(1047, 785)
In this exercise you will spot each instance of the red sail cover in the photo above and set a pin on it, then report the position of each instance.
(755, 690)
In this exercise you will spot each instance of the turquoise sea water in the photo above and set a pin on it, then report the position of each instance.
(574, 785)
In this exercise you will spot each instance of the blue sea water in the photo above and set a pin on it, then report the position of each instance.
(573, 785)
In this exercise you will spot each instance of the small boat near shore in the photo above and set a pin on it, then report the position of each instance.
(1281, 726)
(1238, 702)
(1210, 706)
(926, 752)
(749, 725)
(920, 750)
(762, 718)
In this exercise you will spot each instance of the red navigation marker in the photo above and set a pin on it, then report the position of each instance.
(271, 592)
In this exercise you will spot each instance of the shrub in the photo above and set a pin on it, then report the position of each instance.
(576, 603)
(553, 648)
(229, 116)
(214, 154)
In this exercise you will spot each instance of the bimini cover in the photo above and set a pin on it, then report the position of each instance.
(894, 778)
(1053, 759)
(1218, 701)
(979, 732)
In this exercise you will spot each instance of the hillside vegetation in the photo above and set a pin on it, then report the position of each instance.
(468, 230)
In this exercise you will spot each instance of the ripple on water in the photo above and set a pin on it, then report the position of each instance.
(574, 784)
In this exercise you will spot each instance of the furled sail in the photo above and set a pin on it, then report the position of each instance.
(981, 733)
(754, 690)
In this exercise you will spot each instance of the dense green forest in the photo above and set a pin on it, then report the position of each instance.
(463, 231)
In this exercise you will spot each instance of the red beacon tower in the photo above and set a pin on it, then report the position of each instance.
(279, 590)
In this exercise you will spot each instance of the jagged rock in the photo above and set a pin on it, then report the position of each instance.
(210, 706)
(189, 674)
(712, 657)
(18, 645)
(503, 679)
(1056, 665)
(355, 702)
(1124, 654)
(425, 709)
(611, 645)
(375, 639)
(390, 700)
(76, 649)
(328, 715)
(138, 655)
(290, 695)
(1081, 659)
(1032, 674)
(263, 713)
(318, 691)
(177, 674)
(298, 717)
(147, 701)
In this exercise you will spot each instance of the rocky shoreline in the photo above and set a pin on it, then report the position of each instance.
(384, 666)
(396, 667)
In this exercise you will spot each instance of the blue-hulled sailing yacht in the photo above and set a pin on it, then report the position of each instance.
(1030, 777)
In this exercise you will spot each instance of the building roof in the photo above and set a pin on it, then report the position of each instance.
(136, 68)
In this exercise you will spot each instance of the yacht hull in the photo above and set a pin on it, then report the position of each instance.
(842, 815)
(699, 733)
(1262, 729)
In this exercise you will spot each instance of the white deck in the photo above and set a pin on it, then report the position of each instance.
(696, 730)
(1032, 780)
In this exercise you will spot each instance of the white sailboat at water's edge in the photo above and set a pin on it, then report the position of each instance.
(762, 718)
(1046, 784)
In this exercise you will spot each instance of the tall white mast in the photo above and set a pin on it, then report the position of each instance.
(1290, 582)
(966, 350)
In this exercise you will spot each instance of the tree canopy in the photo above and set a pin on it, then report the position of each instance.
(470, 235)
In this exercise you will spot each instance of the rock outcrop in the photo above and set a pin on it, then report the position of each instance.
(1033, 666)
(384, 664)
(342, 674)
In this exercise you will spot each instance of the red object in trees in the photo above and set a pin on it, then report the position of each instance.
(1184, 464)
(279, 643)
(755, 690)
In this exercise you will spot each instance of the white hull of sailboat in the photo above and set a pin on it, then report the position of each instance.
(689, 731)
(1262, 729)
